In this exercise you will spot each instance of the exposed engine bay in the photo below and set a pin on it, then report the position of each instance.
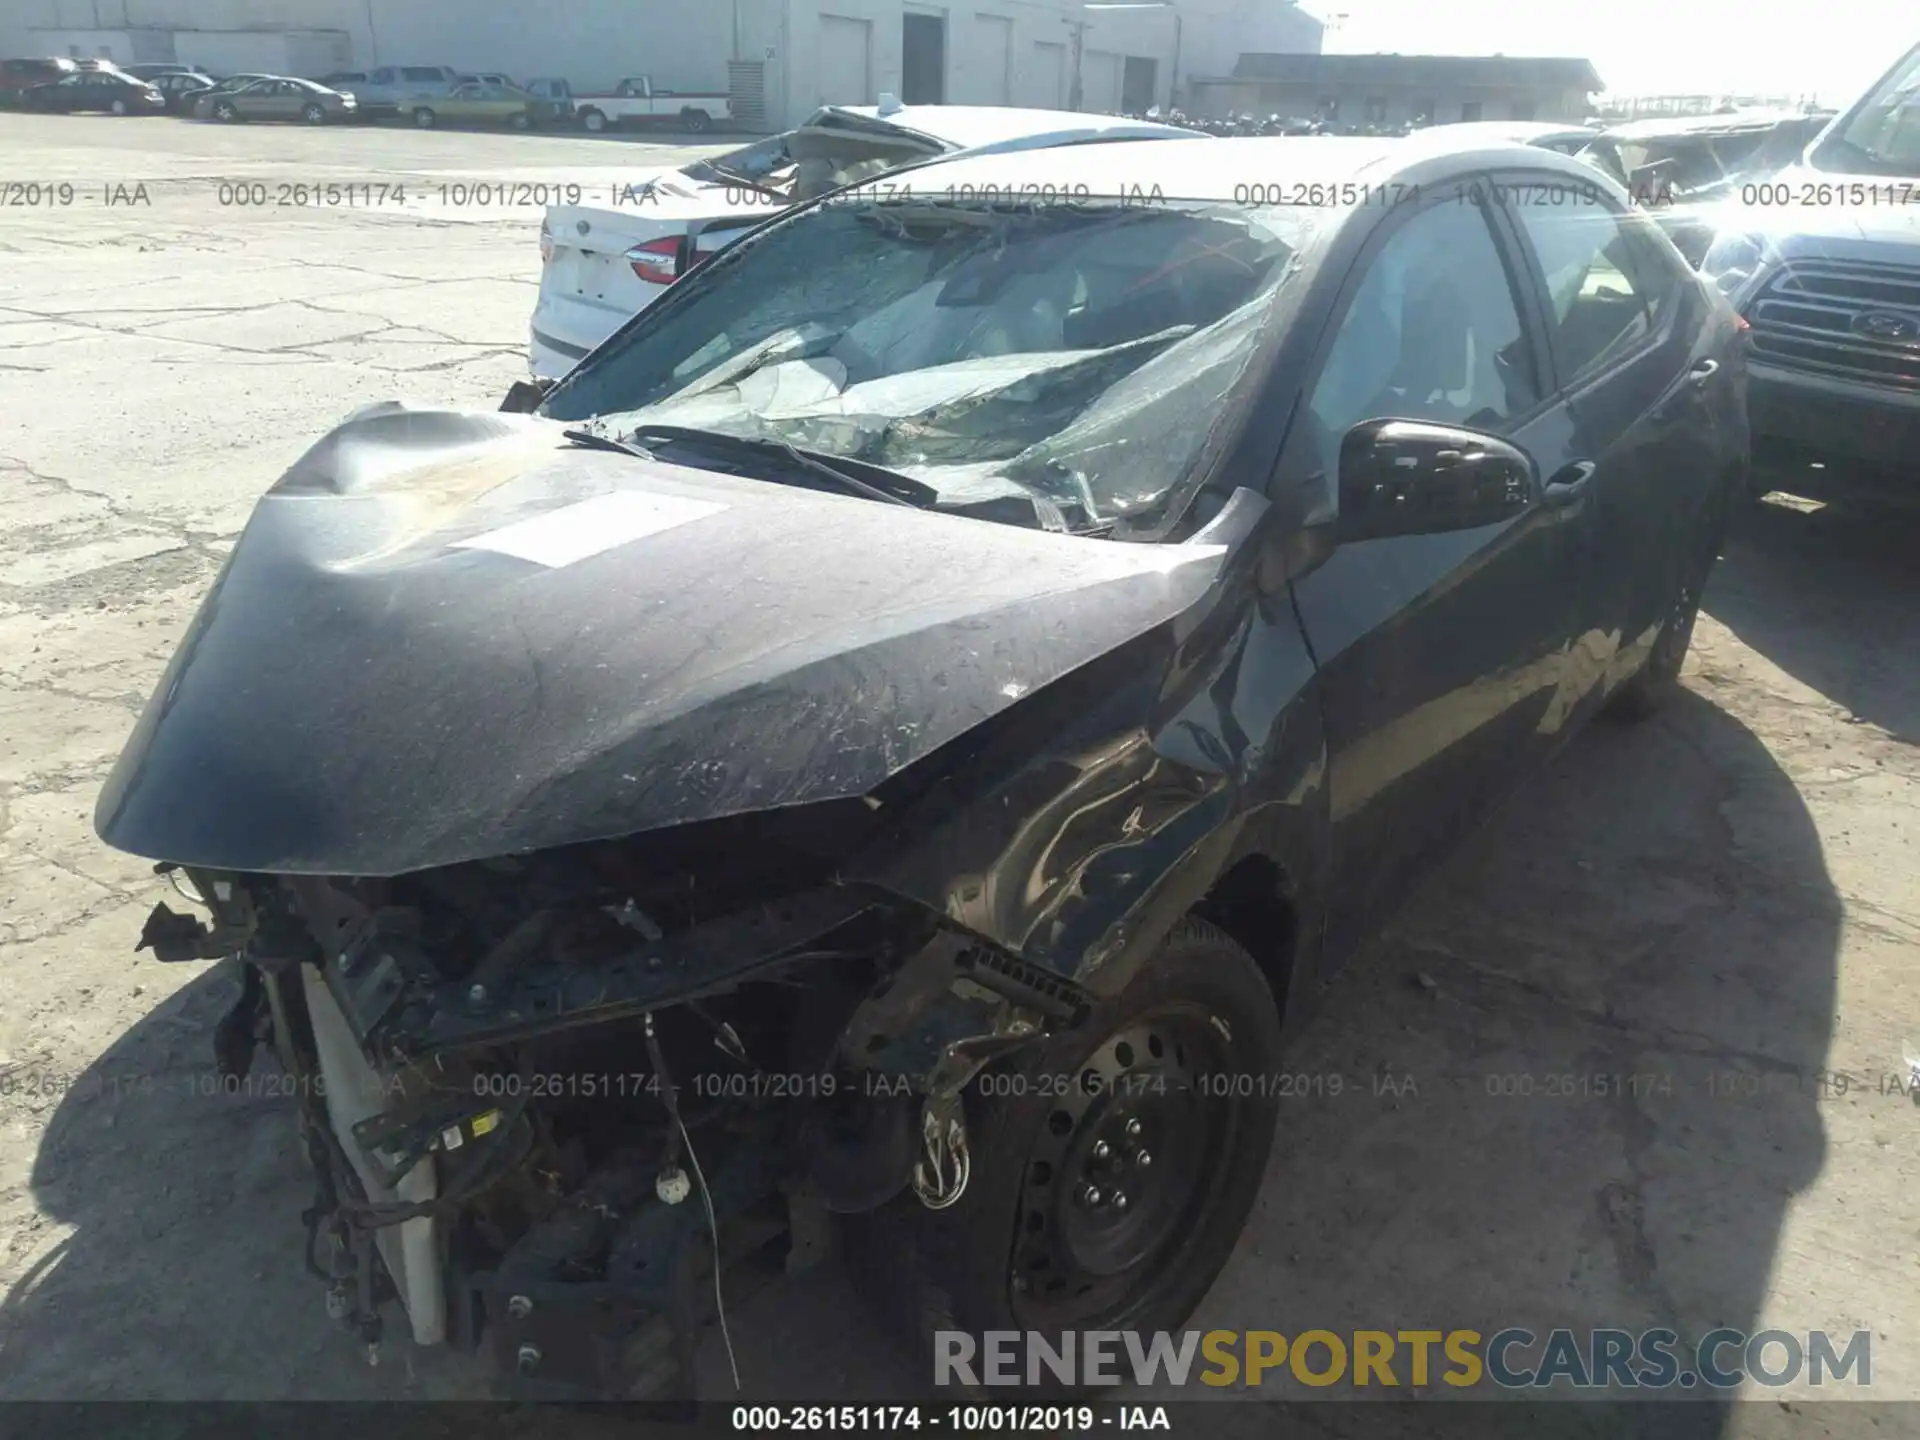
(541, 1093)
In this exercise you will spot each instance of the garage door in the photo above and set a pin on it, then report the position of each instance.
(991, 80)
(845, 68)
(1100, 82)
(1046, 80)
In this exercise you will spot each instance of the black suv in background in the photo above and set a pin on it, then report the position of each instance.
(1823, 260)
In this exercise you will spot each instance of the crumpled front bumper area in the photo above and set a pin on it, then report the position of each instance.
(542, 1102)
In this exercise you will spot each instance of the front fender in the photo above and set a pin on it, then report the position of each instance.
(1105, 809)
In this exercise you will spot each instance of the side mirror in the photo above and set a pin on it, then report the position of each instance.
(1410, 477)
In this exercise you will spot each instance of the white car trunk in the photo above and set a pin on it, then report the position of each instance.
(588, 286)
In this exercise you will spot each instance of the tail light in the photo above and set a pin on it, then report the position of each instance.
(656, 261)
(546, 243)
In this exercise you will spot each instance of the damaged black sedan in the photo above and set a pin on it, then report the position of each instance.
(887, 747)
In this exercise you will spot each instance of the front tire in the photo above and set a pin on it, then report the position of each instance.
(1062, 1225)
(119, 107)
(521, 122)
(314, 115)
(225, 113)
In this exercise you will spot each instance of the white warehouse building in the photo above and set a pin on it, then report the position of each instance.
(779, 58)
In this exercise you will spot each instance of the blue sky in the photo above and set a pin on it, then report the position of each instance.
(1834, 47)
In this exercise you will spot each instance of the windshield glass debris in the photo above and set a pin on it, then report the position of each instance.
(1081, 353)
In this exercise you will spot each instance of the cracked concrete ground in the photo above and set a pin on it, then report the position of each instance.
(1718, 911)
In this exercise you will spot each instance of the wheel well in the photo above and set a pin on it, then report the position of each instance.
(1249, 901)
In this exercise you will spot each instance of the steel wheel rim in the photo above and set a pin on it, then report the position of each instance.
(1101, 1233)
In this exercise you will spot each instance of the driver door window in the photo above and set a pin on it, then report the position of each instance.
(1432, 333)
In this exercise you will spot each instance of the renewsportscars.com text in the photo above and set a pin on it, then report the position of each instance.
(1511, 1359)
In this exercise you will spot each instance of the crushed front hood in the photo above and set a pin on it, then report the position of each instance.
(445, 636)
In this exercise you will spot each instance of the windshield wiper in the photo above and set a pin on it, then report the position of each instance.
(594, 440)
(720, 440)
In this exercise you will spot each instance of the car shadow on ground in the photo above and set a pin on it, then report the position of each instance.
(1615, 1006)
(1576, 1084)
(1832, 597)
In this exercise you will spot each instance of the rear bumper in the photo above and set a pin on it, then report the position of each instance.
(549, 358)
(1835, 435)
(565, 328)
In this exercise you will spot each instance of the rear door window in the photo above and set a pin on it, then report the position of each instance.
(1598, 306)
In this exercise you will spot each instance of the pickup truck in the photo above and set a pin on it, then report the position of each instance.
(637, 100)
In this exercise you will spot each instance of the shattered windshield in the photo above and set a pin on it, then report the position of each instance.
(1882, 135)
(826, 153)
(1080, 353)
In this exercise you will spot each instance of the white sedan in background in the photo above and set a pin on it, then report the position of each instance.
(602, 265)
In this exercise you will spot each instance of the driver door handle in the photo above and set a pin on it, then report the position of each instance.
(1568, 483)
(1703, 372)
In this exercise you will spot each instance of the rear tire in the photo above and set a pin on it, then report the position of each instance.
(1061, 1225)
(697, 121)
(521, 122)
(423, 118)
(592, 121)
(1653, 687)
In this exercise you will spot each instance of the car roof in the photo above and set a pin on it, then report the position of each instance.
(1219, 168)
(967, 127)
(1518, 132)
(1323, 171)
(1702, 125)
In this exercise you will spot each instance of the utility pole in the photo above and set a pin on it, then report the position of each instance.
(1173, 74)
(1079, 43)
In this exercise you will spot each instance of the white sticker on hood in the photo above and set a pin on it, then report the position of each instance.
(578, 532)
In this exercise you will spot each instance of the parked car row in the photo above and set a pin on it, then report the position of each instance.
(420, 95)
